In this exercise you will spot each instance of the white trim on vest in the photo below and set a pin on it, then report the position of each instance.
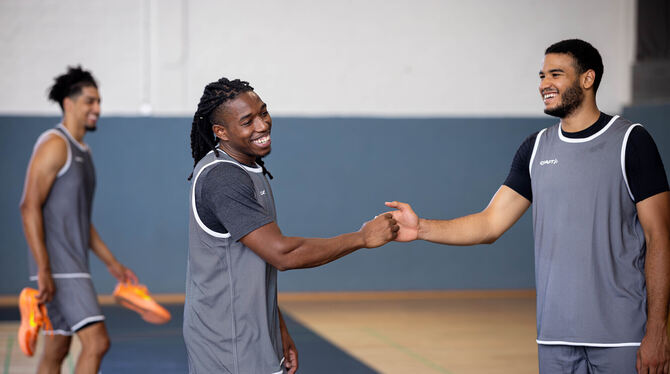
(195, 211)
(257, 169)
(42, 138)
(82, 147)
(623, 158)
(535, 146)
(584, 140)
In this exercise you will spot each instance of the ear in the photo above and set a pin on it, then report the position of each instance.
(220, 132)
(588, 79)
(67, 104)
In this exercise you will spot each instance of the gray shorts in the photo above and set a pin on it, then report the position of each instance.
(74, 305)
(559, 359)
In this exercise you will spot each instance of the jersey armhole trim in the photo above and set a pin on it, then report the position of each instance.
(623, 158)
(195, 210)
(42, 138)
(532, 155)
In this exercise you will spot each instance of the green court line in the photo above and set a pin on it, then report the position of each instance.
(8, 355)
(70, 363)
(407, 351)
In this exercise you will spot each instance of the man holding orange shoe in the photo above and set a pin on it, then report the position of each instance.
(56, 211)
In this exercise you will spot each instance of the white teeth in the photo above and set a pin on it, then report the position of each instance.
(549, 96)
(262, 140)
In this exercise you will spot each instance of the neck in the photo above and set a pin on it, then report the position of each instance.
(239, 157)
(75, 129)
(584, 116)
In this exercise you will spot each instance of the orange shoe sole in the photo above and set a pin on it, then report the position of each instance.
(137, 299)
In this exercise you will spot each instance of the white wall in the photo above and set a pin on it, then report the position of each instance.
(310, 58)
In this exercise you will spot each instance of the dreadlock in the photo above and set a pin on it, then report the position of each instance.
(70, 84)
(202, 138)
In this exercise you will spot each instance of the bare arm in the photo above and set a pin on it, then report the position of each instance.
(47, 159)
(506, 207)
(120, 272)
(654, 215)
(284, 252)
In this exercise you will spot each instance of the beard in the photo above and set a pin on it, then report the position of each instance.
(570, 101)
(91, 128)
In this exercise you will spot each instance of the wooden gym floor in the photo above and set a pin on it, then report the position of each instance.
(357, 333)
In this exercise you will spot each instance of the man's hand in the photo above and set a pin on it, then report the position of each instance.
(45, 286)
(290, 352)
(407, 220)
(653, 357)
(379, 231)
(122, 273)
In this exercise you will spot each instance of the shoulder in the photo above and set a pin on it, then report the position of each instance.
(51, 148)
(225, 173)
(526, 148)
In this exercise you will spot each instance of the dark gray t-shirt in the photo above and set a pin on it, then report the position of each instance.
(226, 201)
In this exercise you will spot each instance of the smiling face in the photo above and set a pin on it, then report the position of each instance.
(243, 126)
(560, 85)
(84, 108)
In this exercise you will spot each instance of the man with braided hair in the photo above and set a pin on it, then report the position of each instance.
(231, 320)
(56, 210)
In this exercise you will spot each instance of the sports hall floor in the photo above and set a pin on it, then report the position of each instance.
(355, 333)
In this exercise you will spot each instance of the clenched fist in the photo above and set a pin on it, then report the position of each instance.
(379, 231)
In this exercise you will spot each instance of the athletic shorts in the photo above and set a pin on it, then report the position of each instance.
(559, 359)
(74, 305)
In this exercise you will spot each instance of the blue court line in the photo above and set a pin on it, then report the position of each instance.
(8, 355)
(407, 351)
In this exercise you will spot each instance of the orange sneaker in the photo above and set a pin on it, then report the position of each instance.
(33, 317)
(136, 297)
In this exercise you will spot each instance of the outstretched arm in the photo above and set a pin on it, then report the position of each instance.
(654, 215)
(485, 227)
(118, 271)
(285, 252)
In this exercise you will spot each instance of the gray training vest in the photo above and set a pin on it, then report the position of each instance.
(67, 211)
(589, 245)
(231, 321)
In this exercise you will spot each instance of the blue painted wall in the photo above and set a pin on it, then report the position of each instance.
(331, 174)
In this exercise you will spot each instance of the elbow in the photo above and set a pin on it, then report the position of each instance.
(282, 260)
(281, 265)
(26, 209)
(284, 263)
(491, 238)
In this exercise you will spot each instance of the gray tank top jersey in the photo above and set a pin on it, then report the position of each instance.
(67, 212)
(589, 245)
(231, 321)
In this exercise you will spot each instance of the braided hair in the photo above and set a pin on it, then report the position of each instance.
(202, 138)
(70, 84)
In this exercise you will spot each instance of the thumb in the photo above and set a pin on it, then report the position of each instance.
(392, 204)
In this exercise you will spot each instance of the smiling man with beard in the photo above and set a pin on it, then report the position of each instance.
(56, 210)
(601, 219)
